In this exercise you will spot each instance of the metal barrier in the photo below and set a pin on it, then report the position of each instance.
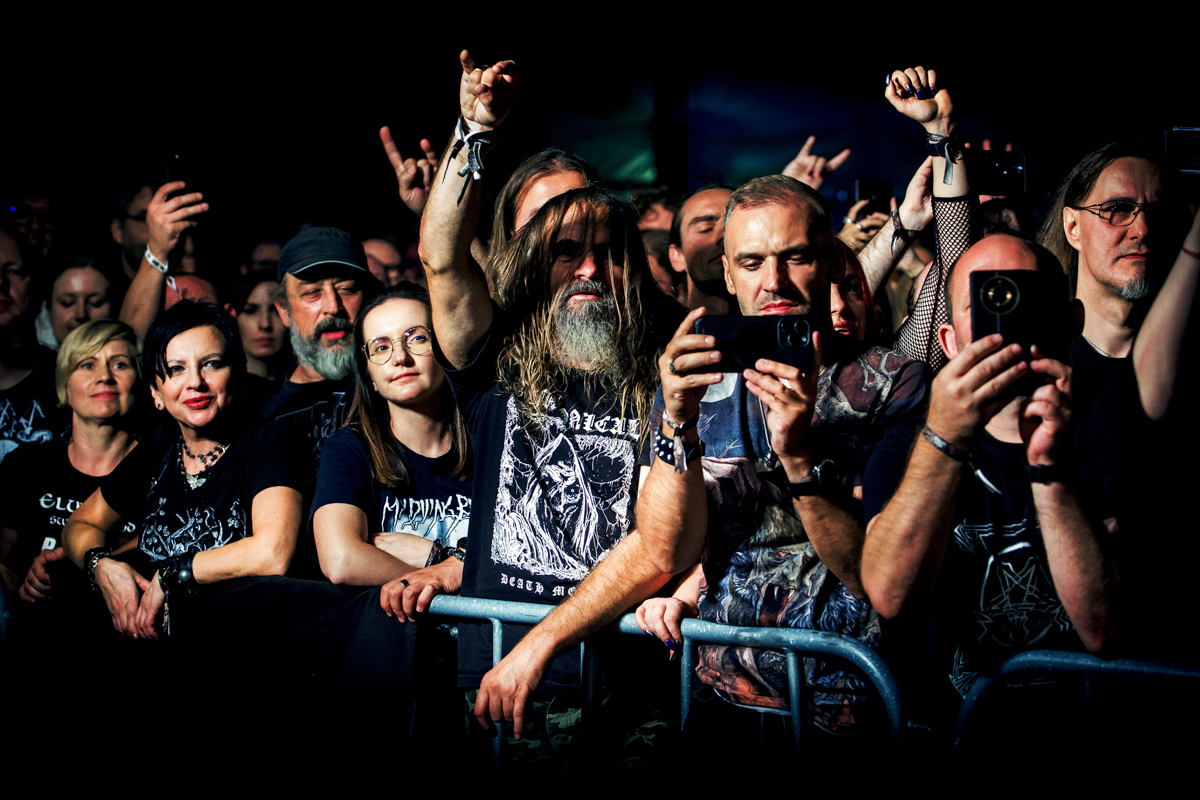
(794, 642)
(1048, 663)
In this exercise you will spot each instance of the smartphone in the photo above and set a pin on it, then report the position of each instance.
(875, 190)
(743, 340)
(176, 170)
(1026, 308)
(1000, 173)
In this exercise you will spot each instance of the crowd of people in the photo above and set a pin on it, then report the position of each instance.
(252, 496)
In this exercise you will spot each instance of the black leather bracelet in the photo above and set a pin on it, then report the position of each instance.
(90, 559)
(665, 448)
(1047, 473)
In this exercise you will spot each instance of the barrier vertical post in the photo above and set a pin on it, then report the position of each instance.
(794, 689)
(497, 654)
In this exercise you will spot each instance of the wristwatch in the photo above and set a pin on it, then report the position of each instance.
(822, 481)
(1047, 473)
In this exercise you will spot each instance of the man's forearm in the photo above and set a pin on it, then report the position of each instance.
(144, 298)
(458, 290)
(1082, 573)
(878, 259)
(672, 514)
(906, 542)
(836, 536)
(625, 577)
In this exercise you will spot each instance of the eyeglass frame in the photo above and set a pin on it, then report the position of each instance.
(1138, 208)
(403, 339)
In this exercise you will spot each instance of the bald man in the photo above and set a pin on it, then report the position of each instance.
(985, 530)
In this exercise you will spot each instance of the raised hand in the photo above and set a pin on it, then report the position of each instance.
(486, 94)
(811, 169)
(916, 210)
(168, 219)
(969, 390)
(915, 93)
(1046, 417)
(683, 386)
(857, 233)
(414, 175)
(790, 397)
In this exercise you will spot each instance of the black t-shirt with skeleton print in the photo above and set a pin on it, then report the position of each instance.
(175, 518)
(552, 496)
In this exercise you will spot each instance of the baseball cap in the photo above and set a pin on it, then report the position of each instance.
(321, 247)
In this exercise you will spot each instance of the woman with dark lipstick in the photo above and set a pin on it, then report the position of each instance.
(218, 498)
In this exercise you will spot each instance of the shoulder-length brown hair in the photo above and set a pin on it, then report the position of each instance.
(369, 411)
(646, 316)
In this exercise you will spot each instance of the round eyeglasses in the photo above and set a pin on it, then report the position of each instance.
(417, 341)
(1120, 213)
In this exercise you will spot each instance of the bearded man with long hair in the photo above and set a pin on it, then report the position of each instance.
(555, 377)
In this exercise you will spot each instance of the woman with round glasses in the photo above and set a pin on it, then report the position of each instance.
(393, 489)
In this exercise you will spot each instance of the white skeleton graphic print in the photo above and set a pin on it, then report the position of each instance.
(17, 429)
(558, 515)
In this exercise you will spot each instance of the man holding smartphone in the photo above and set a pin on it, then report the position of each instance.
(985, 529)
(791, 467)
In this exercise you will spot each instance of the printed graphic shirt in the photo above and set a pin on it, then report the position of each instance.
(761, 569)
(42, 490)
(553, 495)
(437, 508)
(315, 409)
(29, 411)
(174, 519)
(994, 597)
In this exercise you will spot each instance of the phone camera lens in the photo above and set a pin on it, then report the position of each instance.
(999, 295)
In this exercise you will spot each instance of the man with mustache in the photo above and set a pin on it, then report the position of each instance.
(556, 387)
(323, 282)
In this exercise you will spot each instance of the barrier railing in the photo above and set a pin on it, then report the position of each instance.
(793, 642)
(1052, 663)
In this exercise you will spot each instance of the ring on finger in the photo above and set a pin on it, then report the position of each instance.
(671, 366)
(858, 225)
(404, 583)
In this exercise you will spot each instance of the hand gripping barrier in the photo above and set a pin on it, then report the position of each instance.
(794, 642)
(1048, 663)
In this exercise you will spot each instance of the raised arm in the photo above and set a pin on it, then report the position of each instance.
(1083, 574)
(885, 250)
(462, 307)
(1159, 345)
(906, 542)
(166, 220)
(672, 509)
(811, 169)
(916, 93)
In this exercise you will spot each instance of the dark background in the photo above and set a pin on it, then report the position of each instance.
(279, 125)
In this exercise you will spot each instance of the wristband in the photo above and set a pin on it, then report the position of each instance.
(477, 143)
(1047, 473)
(949, 147)
(675, 450)
(900, 232)
(948, 448)
(161, 267)
(90, 559)
(679, 453)
(1190, 253)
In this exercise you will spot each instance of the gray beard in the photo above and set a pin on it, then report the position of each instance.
(332, 363)
(586, 339)
(1136, 289)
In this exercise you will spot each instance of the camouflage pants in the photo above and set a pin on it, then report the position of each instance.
(554, 741)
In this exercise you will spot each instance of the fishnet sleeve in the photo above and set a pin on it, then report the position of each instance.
(955, 229)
